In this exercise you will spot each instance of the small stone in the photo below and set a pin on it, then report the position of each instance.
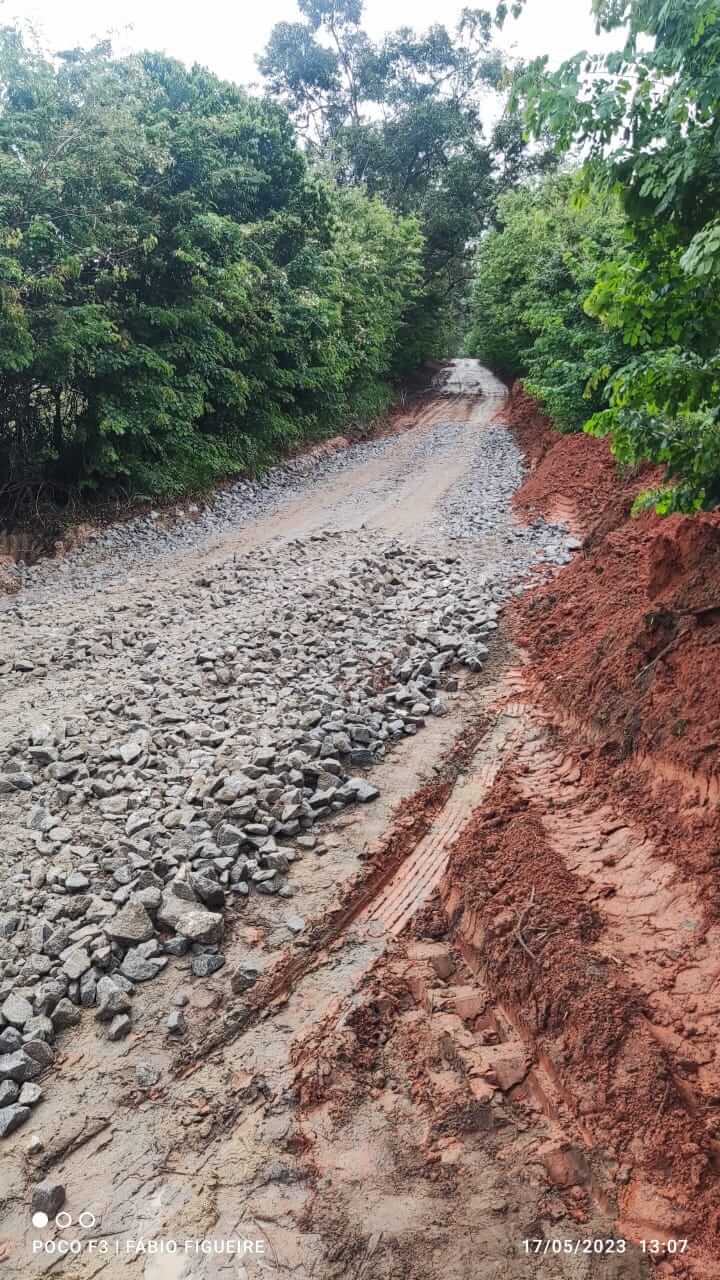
(176, 1023)
(146, 1075)
(245, 976)
(15, 782)
(30, 1094)
(203, 966)
(119, 1027)
(77, 882)
(12, 1117)
(16, 1010)
(137, 822)
(176, 946)
(48, 1197)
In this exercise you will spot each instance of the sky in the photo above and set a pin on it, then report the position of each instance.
(226, 35)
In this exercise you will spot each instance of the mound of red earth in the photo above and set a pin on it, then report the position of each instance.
(573, 478)
(627, 636)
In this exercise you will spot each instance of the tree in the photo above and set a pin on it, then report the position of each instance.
(648, 119)
(532, 275)
(404, 118)
(179, 297)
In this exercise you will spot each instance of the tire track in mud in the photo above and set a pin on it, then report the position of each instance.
(420, 873)
(630, 924)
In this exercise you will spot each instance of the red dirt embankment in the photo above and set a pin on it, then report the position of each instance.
(535, 940)
(627, 636)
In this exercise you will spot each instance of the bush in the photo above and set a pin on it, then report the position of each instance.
(532, 274)
(180, 297)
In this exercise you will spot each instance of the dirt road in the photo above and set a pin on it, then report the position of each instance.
(291, 725)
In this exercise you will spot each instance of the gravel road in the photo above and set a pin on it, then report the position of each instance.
(187, 711)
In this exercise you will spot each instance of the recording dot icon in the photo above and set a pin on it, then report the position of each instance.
(40, 1220)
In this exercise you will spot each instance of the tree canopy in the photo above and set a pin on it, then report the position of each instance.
(647, 121)
(180, 295)
(533, 272)
(405, 118)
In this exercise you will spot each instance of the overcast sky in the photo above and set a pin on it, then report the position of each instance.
(227, 34)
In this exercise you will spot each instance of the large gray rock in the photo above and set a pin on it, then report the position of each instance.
(131, 925)
(76, 964)
(41, 1051)
(19, 1066)
(200, 926)
(9, 1092)
(16, 1010)
(205, 964)
(209, 891)
(30, 1094)
(12, 1117)
(177, 900)
(140, 967)
(65, 1014)
(9, 923)
(119, 1027)
(111, 1000)
(359, 789)
(10, 1039)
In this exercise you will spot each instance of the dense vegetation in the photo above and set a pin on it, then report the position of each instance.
(194, 279)
(402, 118)
(527, 318)
(181, 296)
(621, 321)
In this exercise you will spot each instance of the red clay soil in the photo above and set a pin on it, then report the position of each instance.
(627, 636)
(414, 1107)
(529, 934)
(573, 478)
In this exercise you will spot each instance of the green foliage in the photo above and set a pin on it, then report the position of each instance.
(532, 274)
(402, 118)
(648, 120)
(179, 297)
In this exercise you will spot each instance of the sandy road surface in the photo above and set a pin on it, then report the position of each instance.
(134, 680)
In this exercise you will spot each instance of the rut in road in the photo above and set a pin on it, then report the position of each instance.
(196, 712)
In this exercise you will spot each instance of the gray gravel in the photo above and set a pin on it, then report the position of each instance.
(175, 734)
